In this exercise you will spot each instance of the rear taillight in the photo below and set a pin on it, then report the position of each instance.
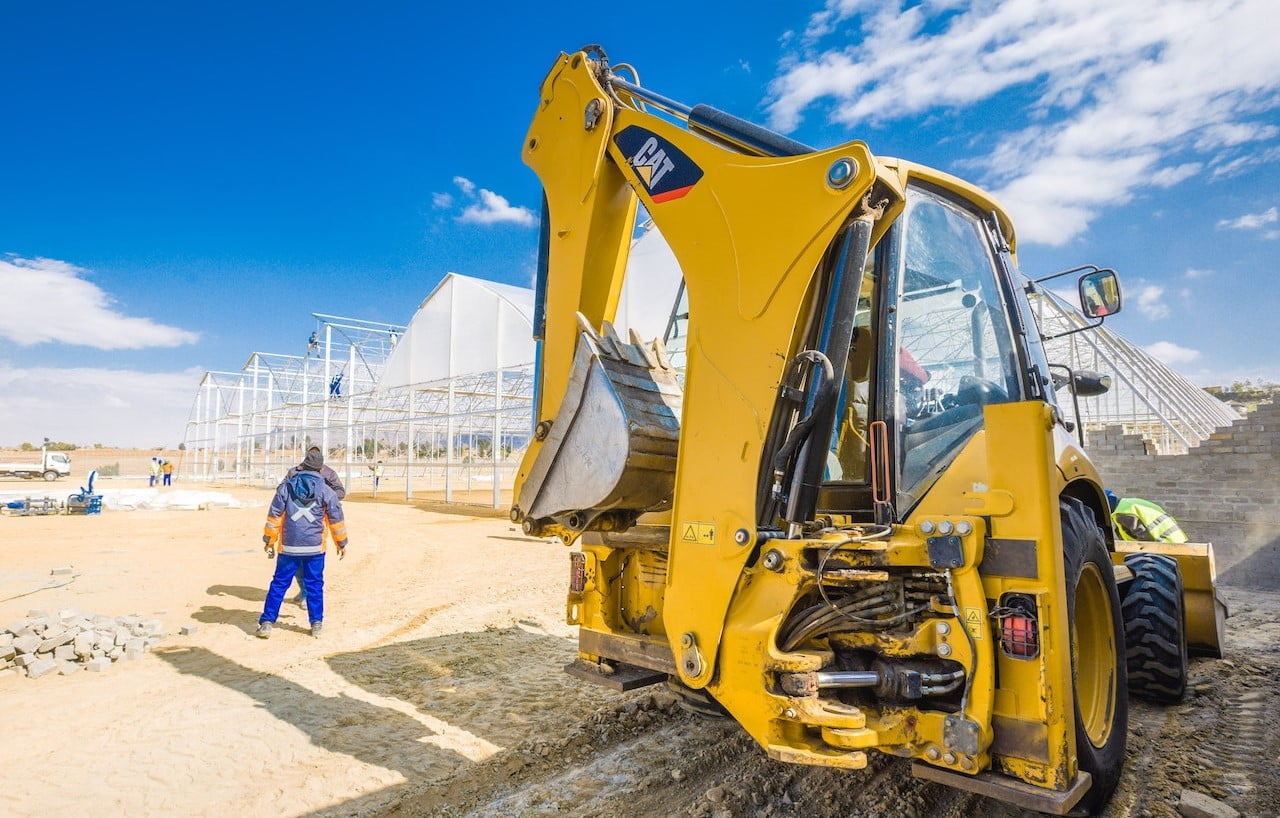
(577, 572)
(1019, 629)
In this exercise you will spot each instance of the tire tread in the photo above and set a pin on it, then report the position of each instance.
(1155, 629)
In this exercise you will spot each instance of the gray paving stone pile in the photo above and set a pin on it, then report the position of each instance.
(64, 642)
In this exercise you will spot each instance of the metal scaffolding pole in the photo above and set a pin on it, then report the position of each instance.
(448, 451)
(495, 445)
(328, 389)
(409, 454)
(351, 400)
(239, 425)
(253, 420)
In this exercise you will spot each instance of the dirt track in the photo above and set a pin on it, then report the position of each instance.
(639, 754)
(438, 690)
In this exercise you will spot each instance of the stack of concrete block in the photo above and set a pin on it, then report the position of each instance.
(1216, 489)
(67, 641)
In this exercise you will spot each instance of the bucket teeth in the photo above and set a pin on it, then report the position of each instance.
(645, 350)
(660, 350)
(612, 343)
(584, 326)
(635, 351)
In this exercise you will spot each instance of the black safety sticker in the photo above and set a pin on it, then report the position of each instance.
(665, 170)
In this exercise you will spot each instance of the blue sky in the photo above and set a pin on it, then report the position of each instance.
(185, 183)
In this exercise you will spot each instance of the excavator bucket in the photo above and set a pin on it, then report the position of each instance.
(611, 451)
(1205, 610)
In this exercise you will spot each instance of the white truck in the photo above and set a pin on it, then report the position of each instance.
(49, 465)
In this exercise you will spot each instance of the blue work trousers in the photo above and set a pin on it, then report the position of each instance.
(287, 566)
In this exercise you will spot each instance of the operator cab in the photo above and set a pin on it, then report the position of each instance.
(943, 328)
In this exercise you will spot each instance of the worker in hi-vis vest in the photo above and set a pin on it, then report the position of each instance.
(1142, 520)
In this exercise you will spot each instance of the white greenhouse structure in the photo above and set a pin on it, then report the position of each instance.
(440, 407)
(443, 406)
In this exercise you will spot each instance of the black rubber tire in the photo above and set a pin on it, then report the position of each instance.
(1155, 629)
(1082, 543)
(50, 476)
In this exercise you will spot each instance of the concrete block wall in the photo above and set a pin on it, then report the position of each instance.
(1225, 491)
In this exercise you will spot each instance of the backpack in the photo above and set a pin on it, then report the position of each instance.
(303, 496)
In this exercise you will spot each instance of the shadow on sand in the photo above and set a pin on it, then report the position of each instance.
(245, 592)
(461, 698)
(246, 621)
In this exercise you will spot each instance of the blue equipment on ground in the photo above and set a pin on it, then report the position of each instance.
(86, 502)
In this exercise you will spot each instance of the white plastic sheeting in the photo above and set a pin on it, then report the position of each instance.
(649, 288)
(181, 499)
(469, 325)
(466, 325)
(145, 499)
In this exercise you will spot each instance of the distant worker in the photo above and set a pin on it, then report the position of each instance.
(314, 462)
(166, 467)
(313, 343)
(155, 471)
(335, 386)
(1143, 521)
(376, 468)
(302, 512)
(393, 338)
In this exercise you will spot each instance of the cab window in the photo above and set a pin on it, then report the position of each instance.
(954, 350)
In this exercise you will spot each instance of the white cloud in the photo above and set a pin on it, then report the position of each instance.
(1194, 274)
(1170, 176)
(1128, 95)
(1252, 221)
(1172, 354)
(1229, 163)
(486, 207)
(45, 300)
(494, 209)
(1150, 301)
(84, 405)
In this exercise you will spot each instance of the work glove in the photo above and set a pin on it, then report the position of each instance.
(269, 547)
(342, 552)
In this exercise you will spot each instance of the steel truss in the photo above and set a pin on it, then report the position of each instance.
(459, 439)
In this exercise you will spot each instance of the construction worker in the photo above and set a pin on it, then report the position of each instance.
(302, 512)
(155, 471)
(1142, 520)
(376, 468)
(166, 467)
(314, 462)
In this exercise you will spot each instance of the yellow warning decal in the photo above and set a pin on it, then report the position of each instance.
(701, 533)
(973, 622)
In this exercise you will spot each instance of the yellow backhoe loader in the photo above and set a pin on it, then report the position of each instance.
(855, 518)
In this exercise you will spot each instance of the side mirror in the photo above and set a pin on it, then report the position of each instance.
(1090, 384)
(1099, 293)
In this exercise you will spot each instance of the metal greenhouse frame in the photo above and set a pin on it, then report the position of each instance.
(457, 439)
(1146, 396)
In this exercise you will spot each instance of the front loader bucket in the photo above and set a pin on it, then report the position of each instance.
(1206, 612)
(611, 451)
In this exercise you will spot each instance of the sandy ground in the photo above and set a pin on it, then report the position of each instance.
(437, 690)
